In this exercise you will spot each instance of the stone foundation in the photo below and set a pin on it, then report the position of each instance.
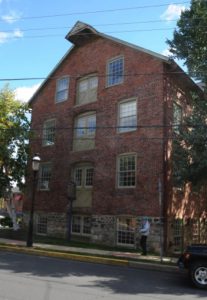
(103, 229)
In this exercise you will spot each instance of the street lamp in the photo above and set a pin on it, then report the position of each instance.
(71, 198)
(35, 167)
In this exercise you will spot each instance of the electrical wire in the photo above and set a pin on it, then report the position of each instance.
(97, 11)
(100, 75)
(95, 25)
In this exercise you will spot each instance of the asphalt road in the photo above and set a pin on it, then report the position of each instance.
(25, 277)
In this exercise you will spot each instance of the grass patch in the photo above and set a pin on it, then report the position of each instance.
(79, 244)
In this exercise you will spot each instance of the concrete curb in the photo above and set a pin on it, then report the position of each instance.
(89, 258)
(153, 266)
(72, 256)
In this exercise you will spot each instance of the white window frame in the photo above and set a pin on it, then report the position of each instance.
(111, 75)
(62, 90)
(44, 181)
(119, 172)
(48, 131)
(122, 123)
(88, 80)
(82, 222)
(82, 181)
(177, 119)
(125, 232)
(41, 225)
(85, 129)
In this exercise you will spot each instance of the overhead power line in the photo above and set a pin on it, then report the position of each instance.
(98, 75)
(98, 11)
(94, 25)
(109, 32)
(115, 127)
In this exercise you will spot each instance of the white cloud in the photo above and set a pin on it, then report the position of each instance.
(18, 33)
(6, 36)
(24, 93)
(12, 17)
(166, 52)
(172, 12)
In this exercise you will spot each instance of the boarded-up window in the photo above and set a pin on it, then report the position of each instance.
(87, 89)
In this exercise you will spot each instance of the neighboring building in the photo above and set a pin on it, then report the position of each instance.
(104, 118)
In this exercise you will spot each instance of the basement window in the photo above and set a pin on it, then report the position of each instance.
(42, 225)
(81, 225)
(126, 231)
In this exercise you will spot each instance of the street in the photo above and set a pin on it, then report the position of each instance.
(41, 278)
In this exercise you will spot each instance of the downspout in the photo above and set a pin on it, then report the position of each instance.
(164, 172)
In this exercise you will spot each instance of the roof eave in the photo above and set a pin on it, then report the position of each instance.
(49, 76)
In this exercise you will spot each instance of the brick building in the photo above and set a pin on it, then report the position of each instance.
(103, 119)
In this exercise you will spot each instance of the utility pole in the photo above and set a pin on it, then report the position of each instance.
(161, 218)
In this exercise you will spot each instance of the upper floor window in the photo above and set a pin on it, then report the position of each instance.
(115, 71)
(177, 117)
(83, 176)
(87, 89)
(127, 119)
(84, 132)
(127, 170)
(86, 126)
(45, 176)
(48, 133)
(62, 87)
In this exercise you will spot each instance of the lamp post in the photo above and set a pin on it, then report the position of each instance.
(71, 198)
(35, 167)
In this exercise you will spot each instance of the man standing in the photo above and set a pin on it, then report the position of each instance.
(144, 231)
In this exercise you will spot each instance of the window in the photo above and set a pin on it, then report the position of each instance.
(127, 116)
(42, 225)
(49, 133)
(78, 177)
(83, 176)
(62, 87)
(177, 117)
(127, 170)
(45, 175)
(84, 132)
(177, 233)
(86, 126)
(87, 90)
(88, 176)
(115, 71)
(81, 225)
(126, 231)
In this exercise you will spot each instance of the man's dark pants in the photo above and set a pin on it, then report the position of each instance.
(143, 244)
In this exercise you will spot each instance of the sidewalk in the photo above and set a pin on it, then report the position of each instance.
(135, 260)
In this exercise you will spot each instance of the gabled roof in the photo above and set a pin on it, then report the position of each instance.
(82, 32)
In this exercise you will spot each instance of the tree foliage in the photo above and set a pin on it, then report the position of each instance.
(190, 147)
(14, 133)
(189, 42)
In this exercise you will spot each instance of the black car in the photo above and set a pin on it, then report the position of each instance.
(194, 259)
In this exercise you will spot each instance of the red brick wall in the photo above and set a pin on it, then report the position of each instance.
(146, 141)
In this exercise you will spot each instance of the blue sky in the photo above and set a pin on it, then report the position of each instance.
(32, 33)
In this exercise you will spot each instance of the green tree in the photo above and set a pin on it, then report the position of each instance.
(190, 147)
(14, 134)
(189, 41)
